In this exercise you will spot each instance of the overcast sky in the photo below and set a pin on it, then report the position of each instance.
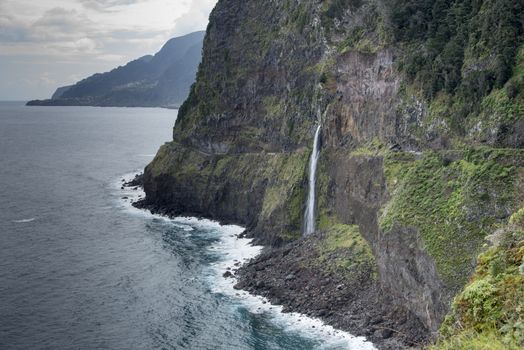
(49, 43)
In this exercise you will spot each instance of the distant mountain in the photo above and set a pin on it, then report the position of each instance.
(162, 80)
(60, 91)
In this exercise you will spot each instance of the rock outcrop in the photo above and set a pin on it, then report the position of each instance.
(412, 167)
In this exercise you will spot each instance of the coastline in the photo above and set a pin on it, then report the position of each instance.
(51, 103)
(238, 252)
(294, 276)
(297, 277)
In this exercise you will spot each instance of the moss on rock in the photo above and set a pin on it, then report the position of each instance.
(269, 188)
(489, 312)
(344, 249)
(454, 199)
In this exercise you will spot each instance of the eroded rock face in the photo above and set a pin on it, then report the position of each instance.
(409, 273)
(366, 100)
(256, 190)
(255, 87)
(270, 72)
(357, 192)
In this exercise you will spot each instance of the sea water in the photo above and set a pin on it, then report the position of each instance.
(80, 268)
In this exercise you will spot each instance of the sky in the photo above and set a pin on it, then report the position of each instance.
(45, 44)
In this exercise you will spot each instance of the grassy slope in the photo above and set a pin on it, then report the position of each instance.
(489, 312)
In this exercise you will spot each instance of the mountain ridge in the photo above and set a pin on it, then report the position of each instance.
(160, 80)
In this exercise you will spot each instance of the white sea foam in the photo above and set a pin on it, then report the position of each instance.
(130, 195)
(241, 250)
(234, 252)
(24, 221)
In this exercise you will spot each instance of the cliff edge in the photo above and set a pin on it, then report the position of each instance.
(422, 111)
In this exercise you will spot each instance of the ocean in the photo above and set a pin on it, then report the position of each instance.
(80, 268)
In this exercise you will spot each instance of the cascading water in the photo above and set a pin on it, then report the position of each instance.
(309, 216)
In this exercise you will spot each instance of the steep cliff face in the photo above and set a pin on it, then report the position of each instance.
(426, 216)
(246, 126)
(422, 133)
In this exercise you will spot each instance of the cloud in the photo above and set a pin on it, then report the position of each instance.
(65, 38)
(11, 29)
(59, 24)
(107, 5)
(58, 32)
(111, 58)
(54, 25)
(195, 18)
(45, 79)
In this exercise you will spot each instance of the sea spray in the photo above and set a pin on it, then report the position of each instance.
(309, 216)
(235, 250)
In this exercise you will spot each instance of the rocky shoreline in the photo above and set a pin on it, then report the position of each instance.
(290, 276)
(293, 276)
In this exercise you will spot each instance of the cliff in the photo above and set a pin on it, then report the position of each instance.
(162, 80)
(421, 104)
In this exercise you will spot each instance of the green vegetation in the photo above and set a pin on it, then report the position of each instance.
(457, 33)
(231, 69)
(489, 312)
(517, 218)
(454, 53)
(374, 147)
(301, 17)
(285, 193)
(365, 33)
(274, 107)
(475, 341)
(343, 249)
(358, 41)
(454, 199)
(334, 9)
(194, 163)
(467, 50)
(281, 176)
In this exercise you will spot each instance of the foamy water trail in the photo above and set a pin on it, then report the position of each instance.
(240, 250)
(24, 221)
(235, 251)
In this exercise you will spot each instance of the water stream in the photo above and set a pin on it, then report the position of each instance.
(309, 217)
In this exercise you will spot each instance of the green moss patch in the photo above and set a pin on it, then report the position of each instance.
(280, 179)
(473, 341)
(373, 147)
(343, 249)
(166, 162)
(490, 309)
(285, 193)
(454, 199)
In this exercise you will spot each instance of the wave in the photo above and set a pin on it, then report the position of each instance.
(240, 250)
(24, 221)
(130, 195)
(235, 251)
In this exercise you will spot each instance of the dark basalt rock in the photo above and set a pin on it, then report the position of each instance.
(355, 304)
(240, 155)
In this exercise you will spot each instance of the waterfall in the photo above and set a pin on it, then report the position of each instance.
(309, 216)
